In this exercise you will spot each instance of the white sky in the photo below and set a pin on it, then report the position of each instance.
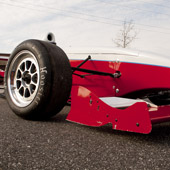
(82, 23)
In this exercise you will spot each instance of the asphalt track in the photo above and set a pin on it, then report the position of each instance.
(59, 144)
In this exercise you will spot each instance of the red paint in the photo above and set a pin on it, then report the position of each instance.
(135, 77)
(161, 115)
(1, 73)
(100, 85)
(88, 109)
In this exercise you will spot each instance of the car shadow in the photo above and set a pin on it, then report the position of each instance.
(160, 132)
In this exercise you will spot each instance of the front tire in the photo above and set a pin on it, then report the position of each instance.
(38, 80)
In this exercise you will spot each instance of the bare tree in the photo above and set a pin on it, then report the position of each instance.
(126, 35)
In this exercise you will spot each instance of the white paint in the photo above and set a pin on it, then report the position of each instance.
(4, 58)
(118, 102)
(114, 55)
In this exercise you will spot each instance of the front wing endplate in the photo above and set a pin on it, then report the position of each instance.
(88, 109)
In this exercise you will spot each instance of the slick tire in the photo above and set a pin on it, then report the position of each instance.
(38, 80)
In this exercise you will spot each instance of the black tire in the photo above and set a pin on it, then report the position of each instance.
(42, 76)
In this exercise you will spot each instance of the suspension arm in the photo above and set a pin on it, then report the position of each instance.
(114, 75)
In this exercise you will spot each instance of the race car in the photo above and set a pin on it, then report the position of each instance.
(127, 89)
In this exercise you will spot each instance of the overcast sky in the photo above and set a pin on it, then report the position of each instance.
(86, 23)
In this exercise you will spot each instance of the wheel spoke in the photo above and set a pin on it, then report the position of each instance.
(19, 74)
(21, 91)
(28, 65)
(26, 92)
(22, 67)
(34, 78)
(33, 69)
(18, 84)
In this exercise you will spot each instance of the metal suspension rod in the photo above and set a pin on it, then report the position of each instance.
(88, 58)
(92, 71)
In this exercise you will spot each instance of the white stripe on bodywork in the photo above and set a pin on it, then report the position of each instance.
(4, 58)
(118, 102)
(112, 55)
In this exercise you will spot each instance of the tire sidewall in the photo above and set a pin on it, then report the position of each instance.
(41, 55)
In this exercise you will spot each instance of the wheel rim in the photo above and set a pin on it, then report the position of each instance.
(23, 78)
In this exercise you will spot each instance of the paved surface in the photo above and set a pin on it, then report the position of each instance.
(58, 144)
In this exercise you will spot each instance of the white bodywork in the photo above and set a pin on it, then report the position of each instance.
(116, 55)
(119, 102)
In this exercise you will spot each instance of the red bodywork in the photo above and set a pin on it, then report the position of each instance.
(87, 108)
(3, 61)
(1, 73)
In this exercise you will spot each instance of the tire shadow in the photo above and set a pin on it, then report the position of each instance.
(59, 117)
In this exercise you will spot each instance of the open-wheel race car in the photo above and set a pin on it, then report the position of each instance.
(129, 90)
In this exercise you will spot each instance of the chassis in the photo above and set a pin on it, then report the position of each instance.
(130, 91)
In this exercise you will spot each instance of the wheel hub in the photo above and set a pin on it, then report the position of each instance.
(26, 77)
